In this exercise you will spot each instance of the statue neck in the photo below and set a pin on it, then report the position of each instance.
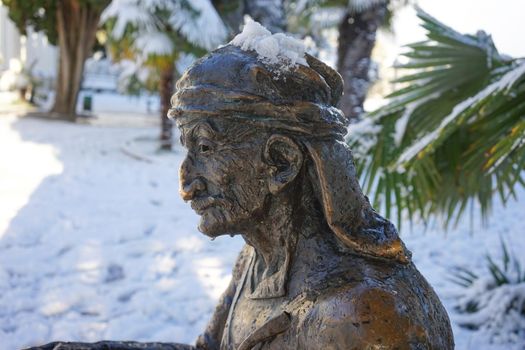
(275, 239)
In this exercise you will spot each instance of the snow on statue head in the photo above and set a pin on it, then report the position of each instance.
(278, 49)
(269, 83)
(266, 160)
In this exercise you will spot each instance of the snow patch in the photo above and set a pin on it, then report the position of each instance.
(271, 48)
(153, 277)
(499, 313)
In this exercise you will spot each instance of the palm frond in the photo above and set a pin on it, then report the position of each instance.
(199, 23)
(452, 134)
(195, 22)
(357, 6)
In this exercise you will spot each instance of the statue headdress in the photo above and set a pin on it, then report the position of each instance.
(234, 83)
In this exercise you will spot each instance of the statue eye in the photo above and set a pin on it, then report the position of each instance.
(204, 147)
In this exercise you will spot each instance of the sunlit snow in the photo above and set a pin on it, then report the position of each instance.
(271, 48)
(99, 245)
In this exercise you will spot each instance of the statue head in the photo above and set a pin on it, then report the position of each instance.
(257, 135)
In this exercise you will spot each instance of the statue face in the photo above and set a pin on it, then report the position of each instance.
(223, 175)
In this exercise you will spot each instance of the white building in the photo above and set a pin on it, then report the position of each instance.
(18, 50)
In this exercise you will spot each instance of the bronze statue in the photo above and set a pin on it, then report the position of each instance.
(320, 269)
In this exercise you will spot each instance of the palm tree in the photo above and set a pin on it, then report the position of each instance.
(356, 23)
(156, 33)
(452, 136)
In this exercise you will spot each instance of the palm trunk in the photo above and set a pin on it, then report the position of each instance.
(357, 37)
(167, 79)
(77, 25)
(270, 13)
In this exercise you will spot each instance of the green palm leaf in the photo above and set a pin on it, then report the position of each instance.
(452, 135)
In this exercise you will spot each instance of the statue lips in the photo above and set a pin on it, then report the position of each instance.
(200, 204)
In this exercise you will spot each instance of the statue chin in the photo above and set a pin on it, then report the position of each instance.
(211, 226)
(217, 233)
(214, 232)
(216, 221)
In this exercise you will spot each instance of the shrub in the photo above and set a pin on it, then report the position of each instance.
(494, 302)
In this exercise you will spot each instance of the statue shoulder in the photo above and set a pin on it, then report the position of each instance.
(360, 315)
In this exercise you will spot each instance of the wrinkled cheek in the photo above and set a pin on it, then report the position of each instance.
(250, 197)
(236, 180)
(222, 171)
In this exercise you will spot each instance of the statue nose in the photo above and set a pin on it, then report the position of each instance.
(190, 184)
(190, 190)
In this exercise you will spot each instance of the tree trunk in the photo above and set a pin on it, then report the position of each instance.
(270, 13)
(77, 25)
(357, 37)
(231, 12)
(167, 79)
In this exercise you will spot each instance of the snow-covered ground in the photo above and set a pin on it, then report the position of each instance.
(95, 242)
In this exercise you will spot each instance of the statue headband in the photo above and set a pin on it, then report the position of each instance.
(300, 117)
(232, 83)
(299, 99)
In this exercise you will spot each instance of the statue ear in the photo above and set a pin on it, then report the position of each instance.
(285, 158)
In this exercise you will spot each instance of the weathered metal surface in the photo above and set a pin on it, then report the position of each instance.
(321, 269)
